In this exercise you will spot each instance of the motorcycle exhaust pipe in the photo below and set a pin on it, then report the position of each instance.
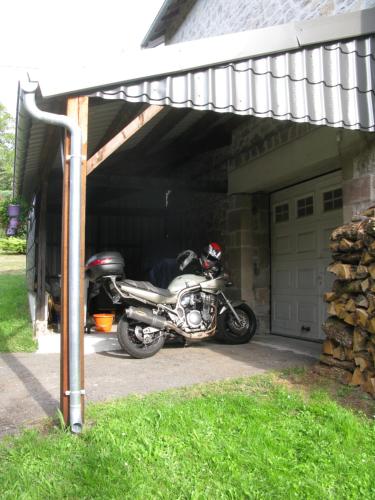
(144, 315)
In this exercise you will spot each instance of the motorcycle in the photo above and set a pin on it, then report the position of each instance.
(193, 307)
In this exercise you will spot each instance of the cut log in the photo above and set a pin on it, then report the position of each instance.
(339, 308)
(330, 296)
(369, 384)
(331, 309)
(371, 325)
(370, 297)
(337, 330)
(367, 258)
(350, 305)
(331, 361)
(349, 354)
(371, 349)
(349, 318)
(361, 301)
(359, 339)
(369, 212)
(362, 317)
(345, 245)
(369, 242)
(370, 227)
(363, 360)
(361, 272)
(341, 287)
(343, 271)
(348, 258)
(334, 246)
(371, 270)
(328, 347)
(357, 378)
(358, 245)
(352, 231)
(365, 285)
(339, 353)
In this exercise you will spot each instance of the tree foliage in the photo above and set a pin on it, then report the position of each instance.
(6, 149)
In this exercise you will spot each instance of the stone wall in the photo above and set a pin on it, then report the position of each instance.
(203, 211)
(248, 252)
(218, 17)
(260, 136)
(359, 180)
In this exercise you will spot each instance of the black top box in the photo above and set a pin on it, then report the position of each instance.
(105, 264)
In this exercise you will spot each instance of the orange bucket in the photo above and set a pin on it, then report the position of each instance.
(103, 322)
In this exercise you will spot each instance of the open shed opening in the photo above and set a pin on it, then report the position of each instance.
(163, 191)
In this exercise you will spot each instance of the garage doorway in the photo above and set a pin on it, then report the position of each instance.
(303, 216)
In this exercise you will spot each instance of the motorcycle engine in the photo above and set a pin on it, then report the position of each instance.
(194, 318)
(197, 308)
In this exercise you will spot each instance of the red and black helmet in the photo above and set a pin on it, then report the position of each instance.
(211, 255)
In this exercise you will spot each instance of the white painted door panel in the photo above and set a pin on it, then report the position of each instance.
(302, 220)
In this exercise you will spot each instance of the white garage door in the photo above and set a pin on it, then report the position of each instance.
(303, 217)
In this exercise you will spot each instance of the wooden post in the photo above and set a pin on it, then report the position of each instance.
(77, 109)
(83, 107)
(64, 318)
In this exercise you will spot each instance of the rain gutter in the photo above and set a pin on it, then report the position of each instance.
(75, 392)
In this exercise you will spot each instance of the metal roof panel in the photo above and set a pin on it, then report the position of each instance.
(325, 85)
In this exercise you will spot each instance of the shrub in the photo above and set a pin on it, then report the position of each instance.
(13, 245)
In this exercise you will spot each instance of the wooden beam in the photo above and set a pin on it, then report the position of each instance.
(64, 317)
(77, 109)
(82, 118)
(123, 116)
(119, 139)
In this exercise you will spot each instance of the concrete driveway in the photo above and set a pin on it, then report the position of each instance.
(29, 383)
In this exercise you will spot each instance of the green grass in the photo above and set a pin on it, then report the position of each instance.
(15, 326)
(248, 438)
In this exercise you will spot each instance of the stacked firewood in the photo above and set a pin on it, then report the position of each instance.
(350, 327)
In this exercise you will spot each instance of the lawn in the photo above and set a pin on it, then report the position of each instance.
(247, 438)
(15, 325)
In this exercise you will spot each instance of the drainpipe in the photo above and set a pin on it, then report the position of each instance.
(75, 391)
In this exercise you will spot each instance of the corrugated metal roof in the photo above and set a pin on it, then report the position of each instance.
(325, 85)
(191, 56)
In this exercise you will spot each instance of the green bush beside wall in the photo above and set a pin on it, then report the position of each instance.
(13, 245)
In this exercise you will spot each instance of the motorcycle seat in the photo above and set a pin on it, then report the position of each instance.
(149, 287)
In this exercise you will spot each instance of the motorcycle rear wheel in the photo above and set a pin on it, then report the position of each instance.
(229, 331)
(130, 344)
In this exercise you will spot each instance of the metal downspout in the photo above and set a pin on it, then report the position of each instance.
(29, 90)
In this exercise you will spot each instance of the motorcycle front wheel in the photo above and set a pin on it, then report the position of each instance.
(132, 345)
(229, 331)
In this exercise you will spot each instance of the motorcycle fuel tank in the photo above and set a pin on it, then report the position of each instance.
(185, 281)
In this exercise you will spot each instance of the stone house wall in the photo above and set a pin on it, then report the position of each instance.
(210, 18)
